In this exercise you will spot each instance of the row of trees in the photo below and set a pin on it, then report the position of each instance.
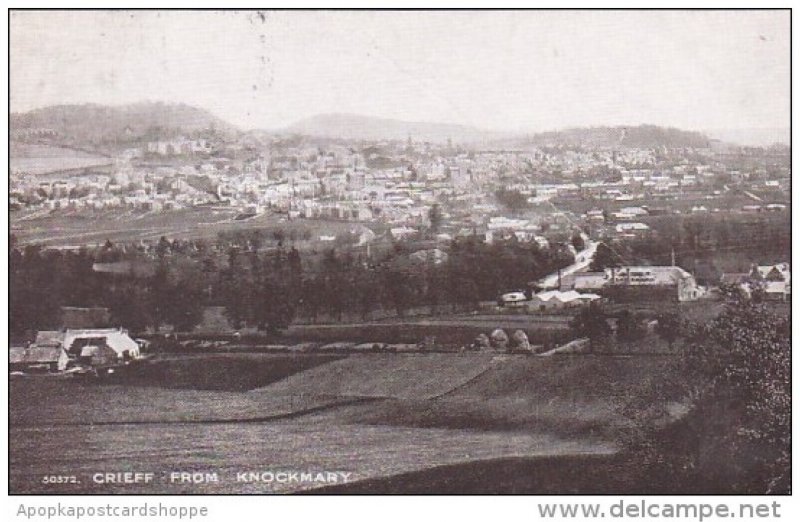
(702, 245)
(268, 288)
(766, 234)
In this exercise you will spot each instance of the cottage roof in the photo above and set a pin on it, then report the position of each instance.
(547, 295)
(49, 338)
(781, 268)
(564, 297)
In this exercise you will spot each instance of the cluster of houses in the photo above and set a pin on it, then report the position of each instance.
(775, 281)
(60, 350)
(648, 284)
(621, 284)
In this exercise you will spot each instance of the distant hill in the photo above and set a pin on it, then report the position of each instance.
(356, 127)
(641, 137)
(753, 137)
(92, 125)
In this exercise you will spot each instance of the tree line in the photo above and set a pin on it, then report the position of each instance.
(267, 288)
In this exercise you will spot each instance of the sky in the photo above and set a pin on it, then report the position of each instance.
(516, 71)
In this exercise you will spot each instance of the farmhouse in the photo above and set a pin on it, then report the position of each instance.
(776, 280)
(779, 272)
(103, 340)
(47, 358)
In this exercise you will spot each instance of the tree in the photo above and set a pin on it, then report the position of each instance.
(396, 282)
(163, 247)
(367, 294)
(128, 306)
(513, 200)
(184, 306)
(591, 323)
(605, 257)
(734, 374)
(333, 287)
(629, 326)
(310, 301)
(435, 217)
(279, 236)
(668, 327)
(578, 242)
(742, 360)
(274, 311)
(159, 295)
(235, 290)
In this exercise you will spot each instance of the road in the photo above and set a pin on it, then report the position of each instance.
(582, 261)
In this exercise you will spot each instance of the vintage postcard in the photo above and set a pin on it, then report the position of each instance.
(399, 252)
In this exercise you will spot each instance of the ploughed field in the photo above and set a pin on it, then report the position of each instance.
(365, 415)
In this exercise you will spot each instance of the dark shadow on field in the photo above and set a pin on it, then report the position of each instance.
(224, 372)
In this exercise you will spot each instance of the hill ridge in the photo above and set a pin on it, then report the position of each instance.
(93, 124)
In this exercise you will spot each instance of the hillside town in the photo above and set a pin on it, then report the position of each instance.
(604, 224)
(400, 251)
(394, 184)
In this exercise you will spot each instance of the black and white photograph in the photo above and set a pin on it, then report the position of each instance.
(400, 252)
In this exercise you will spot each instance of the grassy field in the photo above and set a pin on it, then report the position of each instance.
(66, 227)
(37, 159)
(425, 411)
(45, 403)
(224, 372)
(405, 376)
(117, 428)
(204, 387)
(565, 395)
